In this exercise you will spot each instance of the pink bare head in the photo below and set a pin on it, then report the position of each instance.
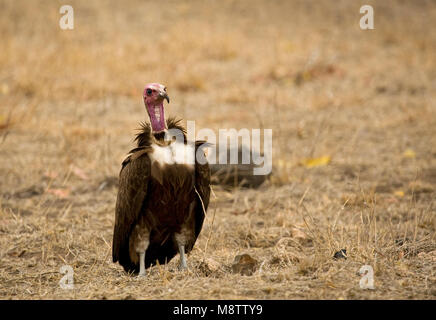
(154, 95)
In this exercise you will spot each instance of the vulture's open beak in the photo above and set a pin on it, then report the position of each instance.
(164, 95)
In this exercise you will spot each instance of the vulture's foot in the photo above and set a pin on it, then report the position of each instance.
(183, 267)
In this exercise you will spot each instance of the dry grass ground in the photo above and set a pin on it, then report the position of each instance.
(363, 100)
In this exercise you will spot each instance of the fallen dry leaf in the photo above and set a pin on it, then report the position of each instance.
(399, 193)
(61, 193)
(409, 153)
(316, 162)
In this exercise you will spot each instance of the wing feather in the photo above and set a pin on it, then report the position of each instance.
(133, 184)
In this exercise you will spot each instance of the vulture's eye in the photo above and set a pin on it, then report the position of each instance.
(149, 92)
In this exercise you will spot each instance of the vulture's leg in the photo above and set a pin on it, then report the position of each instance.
(142, 264)
(180, 240)
(141, 237)
(183, 265)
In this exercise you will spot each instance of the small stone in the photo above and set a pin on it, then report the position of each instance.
(244, 264)
(341, 254)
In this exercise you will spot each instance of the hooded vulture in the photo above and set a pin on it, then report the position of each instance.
(163, 192)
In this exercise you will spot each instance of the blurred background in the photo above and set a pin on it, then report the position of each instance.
(352, 113)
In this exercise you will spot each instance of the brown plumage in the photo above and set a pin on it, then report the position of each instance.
(160, 207)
